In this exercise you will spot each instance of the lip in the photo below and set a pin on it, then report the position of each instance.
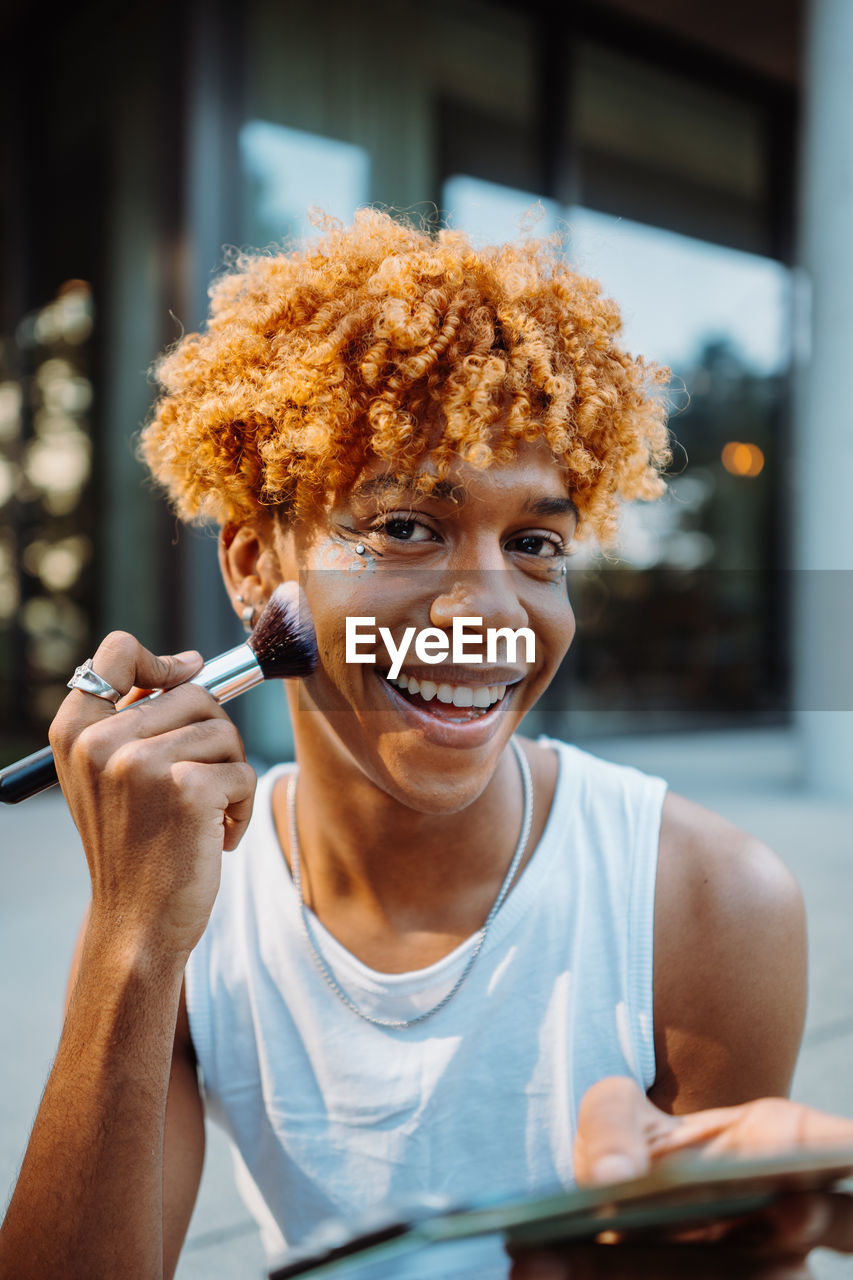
(464, 734)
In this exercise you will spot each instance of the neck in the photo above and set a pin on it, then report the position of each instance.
(369, 858)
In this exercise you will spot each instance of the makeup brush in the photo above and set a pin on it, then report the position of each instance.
(281, 646)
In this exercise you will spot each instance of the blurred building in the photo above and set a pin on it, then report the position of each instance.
(661, 137)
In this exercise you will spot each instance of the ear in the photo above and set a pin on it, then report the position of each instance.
(249, 564)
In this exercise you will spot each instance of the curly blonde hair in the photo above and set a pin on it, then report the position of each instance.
(382, 340)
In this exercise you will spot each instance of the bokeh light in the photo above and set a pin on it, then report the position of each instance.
(742, 459)
(46, 539)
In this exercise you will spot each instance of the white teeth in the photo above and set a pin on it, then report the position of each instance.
(481, 696)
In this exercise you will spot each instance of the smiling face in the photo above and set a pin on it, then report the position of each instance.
(486, 544)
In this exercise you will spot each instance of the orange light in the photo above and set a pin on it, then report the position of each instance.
(742, 459)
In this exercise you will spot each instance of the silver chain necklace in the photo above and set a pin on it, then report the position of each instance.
(319, 961)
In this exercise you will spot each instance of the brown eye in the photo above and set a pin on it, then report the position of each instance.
(532, 544)
(406, 530)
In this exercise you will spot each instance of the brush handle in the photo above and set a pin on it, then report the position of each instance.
(224, 677)
(28, 777)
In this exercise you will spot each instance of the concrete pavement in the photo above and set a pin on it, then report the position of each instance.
(750, 777)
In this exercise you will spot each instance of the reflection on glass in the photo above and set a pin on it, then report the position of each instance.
(45, 522)
(10, 411)
(491, 213)
(58, 564)
(8, 481)
(9, 595)
(676, 294)
(695, 565)
(56, 626)
(67, 319)
(60, 463)
(289, 171)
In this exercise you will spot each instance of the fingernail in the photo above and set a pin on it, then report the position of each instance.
(810, 1212)
(614, 1168)
(189, 657)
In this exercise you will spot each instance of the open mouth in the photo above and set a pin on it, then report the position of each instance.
(458, 702)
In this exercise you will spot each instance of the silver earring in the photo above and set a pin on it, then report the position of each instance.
(247, 615)
(360, 548)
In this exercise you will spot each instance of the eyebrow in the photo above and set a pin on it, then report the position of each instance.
(401, 484)
(550, 506)
(444, 490)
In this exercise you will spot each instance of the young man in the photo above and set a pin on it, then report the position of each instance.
(433, 937)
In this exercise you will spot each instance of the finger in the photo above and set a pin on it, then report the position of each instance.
(228, 789)
(211, 740)
(121, 743)
(190, 659)
(701, 1127)
(614, 1123)
(133, 695)
(124, 663)
(183, 704)
(758, 1128)
(238, 783)
(837, 1233)
(122, 660)
(819, 1129)
(807, 1220)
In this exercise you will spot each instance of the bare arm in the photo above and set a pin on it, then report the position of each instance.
(156, 793)
(183, 1147)
(730, 964)
(183, 1139)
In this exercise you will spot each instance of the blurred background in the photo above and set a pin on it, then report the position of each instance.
(698, 159)
(663, 139)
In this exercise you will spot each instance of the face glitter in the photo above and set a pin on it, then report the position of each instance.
(337, 553)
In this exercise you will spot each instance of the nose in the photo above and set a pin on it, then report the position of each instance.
(479, 593)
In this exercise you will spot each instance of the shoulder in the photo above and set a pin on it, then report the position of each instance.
(729, 962)
(720, 875)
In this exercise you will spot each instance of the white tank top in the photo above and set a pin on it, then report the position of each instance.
(332, 1117)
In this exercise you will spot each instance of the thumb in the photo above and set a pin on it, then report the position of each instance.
(616, 1127)
(168, 670)
(124, 663)
(163, 671)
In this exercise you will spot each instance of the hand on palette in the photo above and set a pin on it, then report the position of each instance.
(621, 1135)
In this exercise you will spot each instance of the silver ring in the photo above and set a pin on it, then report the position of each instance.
(89, 681)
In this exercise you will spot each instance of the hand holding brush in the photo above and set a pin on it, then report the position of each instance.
(281, 646)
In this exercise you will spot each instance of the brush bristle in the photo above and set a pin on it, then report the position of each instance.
(283, 641)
